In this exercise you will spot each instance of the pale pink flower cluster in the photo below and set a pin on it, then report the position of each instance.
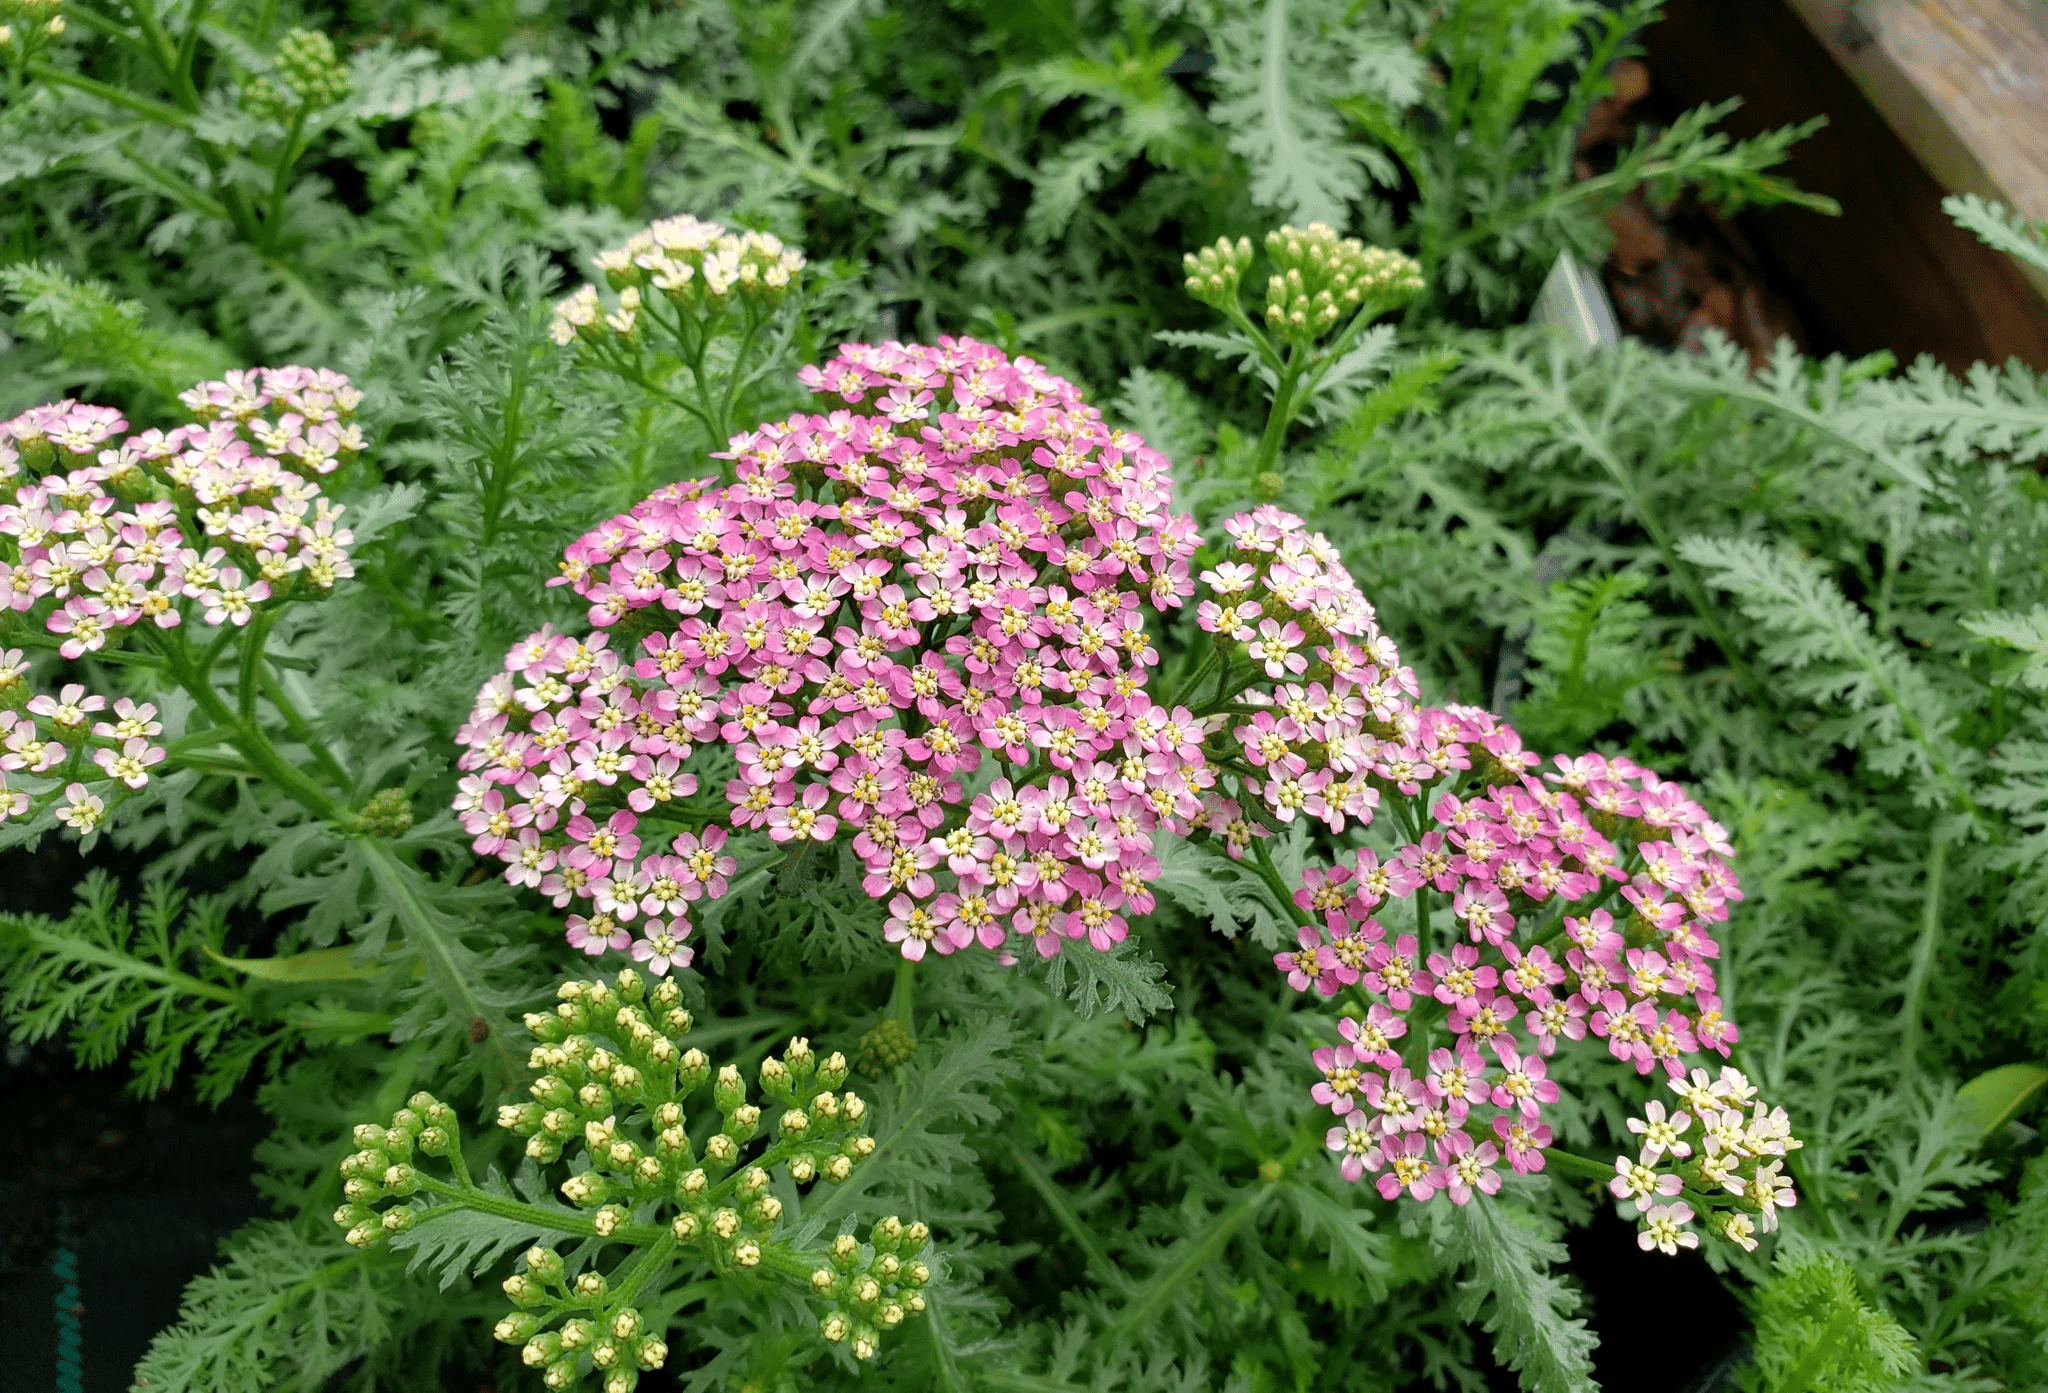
(952, 561)
(71, 734)
(208, 520)
(1735, 1161)
(1441, 1075)
(1517, 973)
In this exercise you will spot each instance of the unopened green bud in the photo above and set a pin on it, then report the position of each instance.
(590, 1285)
(517, 1328)
(585, 1189)
(399, 1218)
(886, 1234)
(832, 1072)
(650, 1353)
(562, 1374)
(834, 1327)
(694, 1070)
(540, 1349)
(387, 815)
(846, 1252)
(306, 64)
(523, 1290)
(884, 1049)
(730, 1091)
(609, 1220)
(544, 1264)
(621, 1381)
(579, 1333)
(605, 1353)
(435, 1141)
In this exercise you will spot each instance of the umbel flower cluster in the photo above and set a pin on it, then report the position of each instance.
(689, 266)
(111, 534)
(657, 1173)
(1440, 1076)
(953, 563)
(1319, 279)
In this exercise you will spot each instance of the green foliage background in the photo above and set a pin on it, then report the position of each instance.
(1815, 593)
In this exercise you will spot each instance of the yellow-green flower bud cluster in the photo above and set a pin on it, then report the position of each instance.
(697, 267)
(665, 1152)
(875, 1287)
(387, 814)
(1321, 279)
(27, 27)
(1214, 272)
(600, 1329)
(309, 76)
(884, 1050)
(381, 1168)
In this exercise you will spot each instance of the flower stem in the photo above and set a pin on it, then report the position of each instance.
(903, 1003)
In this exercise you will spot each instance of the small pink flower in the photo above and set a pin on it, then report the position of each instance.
(660, 946)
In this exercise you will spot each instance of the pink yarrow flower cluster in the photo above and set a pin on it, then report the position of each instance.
(1441, 1076)
(108, 530)
(1512, 973)
(953, 561)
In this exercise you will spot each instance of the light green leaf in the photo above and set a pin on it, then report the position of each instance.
(1996, 1094)
(320, 965)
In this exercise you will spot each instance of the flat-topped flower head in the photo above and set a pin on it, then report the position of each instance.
(951, 562)
(207, 521)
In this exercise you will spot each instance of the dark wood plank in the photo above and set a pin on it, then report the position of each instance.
(1892, 272)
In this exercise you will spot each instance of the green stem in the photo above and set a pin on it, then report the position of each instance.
(399, 883)
(1171, 1281)
(1268, 872)
(1923, 962)
(280, 185)
(1194, 681)
(246, 681)
(303, 732)
(1279, 417)
(245, 735)
(906, 978)
(1056, 1203)
(160, 112)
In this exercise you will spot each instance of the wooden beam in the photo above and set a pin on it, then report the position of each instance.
(1915, 109)
(1964, 83)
